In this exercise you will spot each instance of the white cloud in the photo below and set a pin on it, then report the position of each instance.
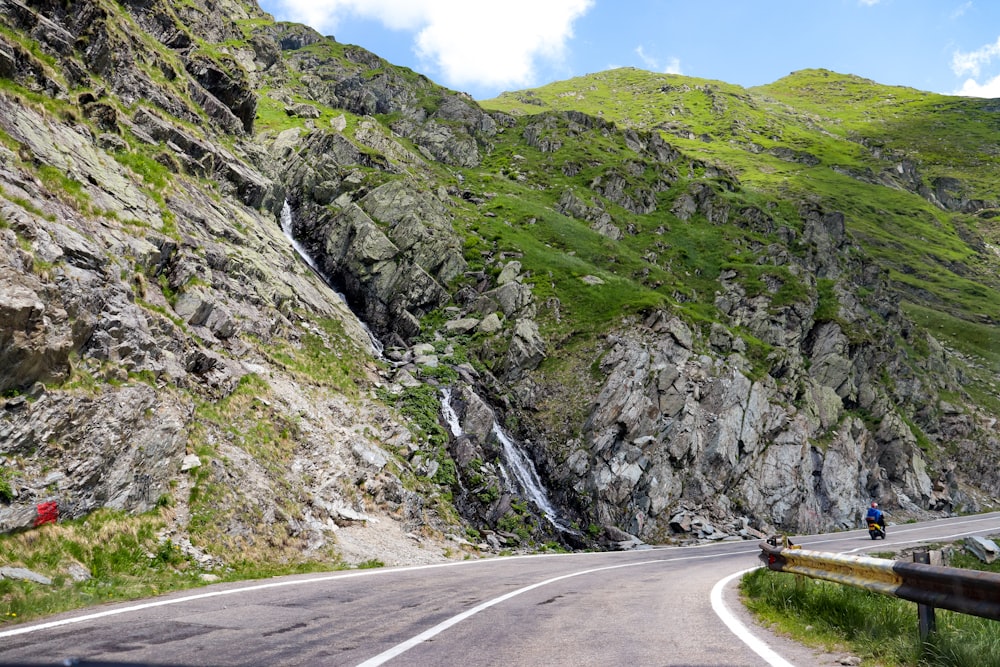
(960, 11)
(868, 3)
(467, 42)
(648, 60)
(972, 62)
(325, 15)
(971, 88)
(651, 63)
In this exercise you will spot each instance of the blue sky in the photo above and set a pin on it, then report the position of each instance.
(484, 48)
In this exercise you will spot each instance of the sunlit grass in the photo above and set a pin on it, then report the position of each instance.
(881, 629)
(815, 138)
(109, 556)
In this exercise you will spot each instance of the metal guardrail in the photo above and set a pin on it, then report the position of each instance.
(964, 591)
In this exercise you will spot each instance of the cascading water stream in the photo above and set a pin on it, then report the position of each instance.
(287, 229)
(456, 430)
(516, 468)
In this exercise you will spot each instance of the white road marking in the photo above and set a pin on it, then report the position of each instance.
(734, 625)
(230, 591)
(756, 644)
(295, 582)
(761, 648)
(259, 587)
(403, 647)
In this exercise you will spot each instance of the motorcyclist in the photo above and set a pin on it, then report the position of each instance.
(875, 513)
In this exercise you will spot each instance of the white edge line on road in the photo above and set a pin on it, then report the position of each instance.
(258, 587)
(756, 644)
(759, 646)
(255, 587)
(720, 609)
(403, 647)
(345, 575)
(233, 591)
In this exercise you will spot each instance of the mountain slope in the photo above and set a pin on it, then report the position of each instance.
(163, 346)
(704, 311)
(911, 171)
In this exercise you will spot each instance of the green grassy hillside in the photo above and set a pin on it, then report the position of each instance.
(915, 175)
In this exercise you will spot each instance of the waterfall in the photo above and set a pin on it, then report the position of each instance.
(527, 477)
(456, 430)
(287, 229)
(517, 469)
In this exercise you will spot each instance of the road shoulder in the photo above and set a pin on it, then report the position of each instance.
(789, 649)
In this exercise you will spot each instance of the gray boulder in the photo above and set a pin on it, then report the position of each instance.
(982, 548)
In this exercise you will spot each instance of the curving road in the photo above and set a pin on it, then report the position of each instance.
(663, 606)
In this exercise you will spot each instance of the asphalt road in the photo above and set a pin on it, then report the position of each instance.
(663, 606)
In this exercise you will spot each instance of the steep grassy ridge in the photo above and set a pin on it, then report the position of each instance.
(914, 173)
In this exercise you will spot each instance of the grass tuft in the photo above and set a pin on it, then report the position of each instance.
(876, 627)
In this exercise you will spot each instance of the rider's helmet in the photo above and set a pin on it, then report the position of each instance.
(874, 504)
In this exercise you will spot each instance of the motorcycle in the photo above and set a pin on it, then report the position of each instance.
(876, 529)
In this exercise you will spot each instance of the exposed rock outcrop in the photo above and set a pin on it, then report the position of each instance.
(151, 310)
(681, 358)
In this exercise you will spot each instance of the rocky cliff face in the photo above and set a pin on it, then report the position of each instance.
(162, 343)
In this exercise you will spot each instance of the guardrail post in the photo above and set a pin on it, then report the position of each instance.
(925, 612)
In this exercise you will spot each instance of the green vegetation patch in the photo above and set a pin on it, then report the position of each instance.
(904, 167)
(266, 438)
(326, 356)
(6, 491)
(975, 341)
(876, 627)
(108, 556)
(57, 181)
(421, 406)
(148, 169)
